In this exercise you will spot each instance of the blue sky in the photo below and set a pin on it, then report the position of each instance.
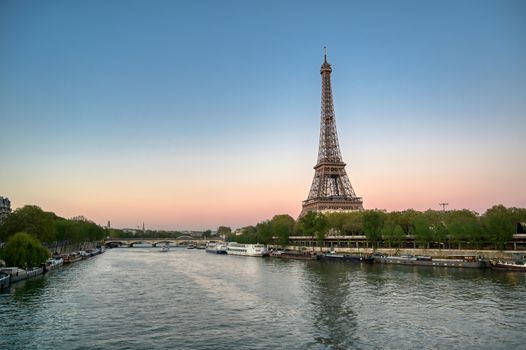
(131, 110)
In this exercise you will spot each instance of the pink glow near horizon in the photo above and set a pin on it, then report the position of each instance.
(211, 208)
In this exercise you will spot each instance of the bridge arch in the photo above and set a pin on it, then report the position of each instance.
(186, 237)
(165, 241)
(113, 244)
(153, 242)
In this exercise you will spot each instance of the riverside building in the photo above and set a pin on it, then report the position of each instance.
(5, 208)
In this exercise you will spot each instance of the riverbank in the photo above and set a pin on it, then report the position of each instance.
(434, 253)
(11, 275)
(59, 248)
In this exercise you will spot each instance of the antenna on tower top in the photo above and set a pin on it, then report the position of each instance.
(443, 205)
(325, 53)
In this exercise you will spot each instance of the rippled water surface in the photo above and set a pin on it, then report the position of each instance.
(133, 298)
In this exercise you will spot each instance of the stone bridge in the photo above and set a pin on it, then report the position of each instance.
(130, 242)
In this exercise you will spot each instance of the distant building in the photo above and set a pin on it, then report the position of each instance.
(131, 231)
(5, 208)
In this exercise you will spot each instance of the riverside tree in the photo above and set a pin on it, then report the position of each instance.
(32, 220)
(423, 234)
(24, 250)
(224, 231)
(282, 227)
(500, 225)
(49, 228)
(314, 224)
(463, 226)
(430, 229)
(373, 223)
(352, 224)
(276, 230)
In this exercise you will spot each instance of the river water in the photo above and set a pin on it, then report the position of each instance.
(140, 298)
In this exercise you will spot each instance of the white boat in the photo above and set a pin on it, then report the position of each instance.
(71, 257)
(84, 254)
(53, 263)
(165, 248)
(216, 248)
(4, 280)
(93, 251)
(246, 249)
(508, 265)
(18, 274)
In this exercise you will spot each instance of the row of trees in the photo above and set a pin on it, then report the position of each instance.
(24, 250)
(277, 230)
(27, 228)
(47, 227)
(430, 229)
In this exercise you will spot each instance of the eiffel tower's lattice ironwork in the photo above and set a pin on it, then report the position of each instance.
(331, 189)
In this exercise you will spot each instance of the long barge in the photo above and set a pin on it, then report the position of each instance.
(17, 274)
(454, 261)
(294, 255)
(347, 257)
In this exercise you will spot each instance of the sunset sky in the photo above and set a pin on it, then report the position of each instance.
(194, 114)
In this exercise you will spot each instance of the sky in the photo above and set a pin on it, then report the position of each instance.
(195, 114)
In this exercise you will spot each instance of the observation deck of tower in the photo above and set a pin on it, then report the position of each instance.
(331, 189)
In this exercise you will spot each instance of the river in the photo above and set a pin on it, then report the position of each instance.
(140, 298)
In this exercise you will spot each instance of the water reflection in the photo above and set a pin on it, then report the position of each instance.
(330, 293)
(27, 291)
(508, 278)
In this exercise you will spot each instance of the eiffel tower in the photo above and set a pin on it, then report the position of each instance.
(331, 189)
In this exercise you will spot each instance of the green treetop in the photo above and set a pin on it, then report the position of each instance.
(24, 250)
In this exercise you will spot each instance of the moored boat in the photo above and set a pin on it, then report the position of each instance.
(419, 260)
(53, 263)
(35, 271)
(246, 249)
(216, 248)
(71, 257)
(15, 273)
(93, 251)
(506, 265)
(84, 254)
(4, 281)
(294, 255)
(347, 257)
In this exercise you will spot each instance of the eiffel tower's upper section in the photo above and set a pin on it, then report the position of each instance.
(329, 151)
